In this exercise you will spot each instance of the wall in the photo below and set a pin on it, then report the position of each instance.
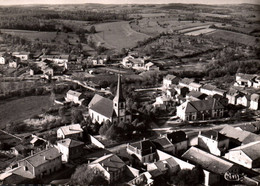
(98, 117)
(239, 157)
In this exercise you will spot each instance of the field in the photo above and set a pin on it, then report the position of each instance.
(22, 108)
(117, 35)
(235, 37)
(201, 31)
(45, 37)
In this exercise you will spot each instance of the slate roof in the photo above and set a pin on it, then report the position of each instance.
(208, 87)
(170, 77)
(101, 105)
(163, 142)
(110, 161)
(74, 93)
(196, 94)
(71, 129)
(176, 137)
(240, 135)
(38, 159)
(214, 134)
(251, 150)
(195, 85)
(145, 146)
(70, 143)
(202, 105)
(246, 77)
(119, 93)
(207, 161)
(255, 97)
(186, 81)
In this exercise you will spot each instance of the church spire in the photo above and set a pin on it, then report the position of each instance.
(119, 93)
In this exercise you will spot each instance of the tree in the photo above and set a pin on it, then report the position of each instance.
(92, 30)
(104, 128)
(76, 115)
(188, 177)
(85, 175)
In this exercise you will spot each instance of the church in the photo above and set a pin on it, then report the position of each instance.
(102, 109)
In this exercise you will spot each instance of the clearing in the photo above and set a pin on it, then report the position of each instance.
(117, 35)
(235, 37)
(22, 108)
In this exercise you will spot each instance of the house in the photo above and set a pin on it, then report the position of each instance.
(256, 83)
(223, 100)
(163, 143)
(162, 102)
(42, 163)
(163, 167)
(179, 141)
(183, 91)
(13, 63)
(244, 100)
(238, 136)
(97, 60)
(194, 86)
(214, 167)
(142, 179)
(70, 149)
(246, 155)
(137, 64)
(74, 96)
(4, 58)
(171, 92)
(48, 71)
(126, 63)
(218, 91)
(207, 89)
(18, 149)
(170, 80)
(195, 96)
(232, 96)
(150, 66)
(185, 82)
(255, 102)
(143, 150)
(73, 66)
(102, 109)
(200, 110)
(111, 165)
(245, 80)
(24, 56)
(70, 131)
(214, 142)
(59, 60)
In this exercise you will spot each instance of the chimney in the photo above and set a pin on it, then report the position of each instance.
(102, 164)
(199, 132)
(44, 157)
(211, 137)
(143, 138)
(107, 169)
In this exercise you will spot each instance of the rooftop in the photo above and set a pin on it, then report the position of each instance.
(170, 77)
(176, 137)
(213, 134)
(163, 142)
(71, 129)
(251, 150)
(111, 162)
(42, 157)
(207, 161)
(102, 105)
(70, 143)
(145, 146)
(74, 93)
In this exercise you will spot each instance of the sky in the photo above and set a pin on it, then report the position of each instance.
(19, 2)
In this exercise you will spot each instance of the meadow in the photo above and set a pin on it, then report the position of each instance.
(22, 108)
(117, 35)
(235, 37)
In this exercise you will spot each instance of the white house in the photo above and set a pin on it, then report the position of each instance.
(144, 150)
(150, 66)
(255, 101)
(13, 64)
(2, 60)
(70, 149)
(42, 163)
(194, 86)
(102, 109)
(213, 142)
(111, 165)
(247, 155)
(169, 80)
(73, 130)
(22, 55)
(74, 96)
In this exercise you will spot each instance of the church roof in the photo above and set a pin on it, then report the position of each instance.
(102, 105)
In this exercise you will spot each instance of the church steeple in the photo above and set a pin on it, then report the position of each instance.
(119, 100)
(119, 93)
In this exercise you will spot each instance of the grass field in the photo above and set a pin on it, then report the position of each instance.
(235, 37)
(22, 108)
(202, 31)
(118, 35)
